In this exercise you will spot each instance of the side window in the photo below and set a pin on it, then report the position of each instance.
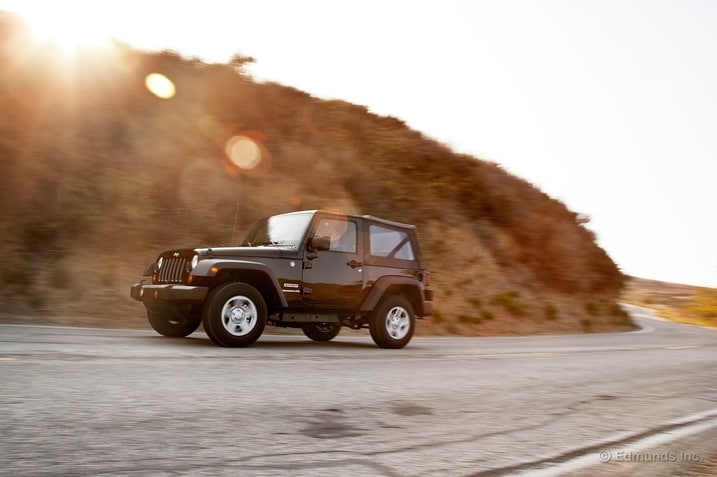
(390, 243)
(342, 233)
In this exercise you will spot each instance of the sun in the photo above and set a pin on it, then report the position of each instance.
(59, 25)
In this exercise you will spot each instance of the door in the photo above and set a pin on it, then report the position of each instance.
(334, 279)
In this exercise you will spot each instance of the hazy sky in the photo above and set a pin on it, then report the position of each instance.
(607, 105)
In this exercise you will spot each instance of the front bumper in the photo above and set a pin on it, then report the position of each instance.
(149, 294)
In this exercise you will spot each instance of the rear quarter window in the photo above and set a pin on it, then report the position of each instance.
(389, 243)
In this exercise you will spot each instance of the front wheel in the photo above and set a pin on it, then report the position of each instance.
(235, 315)
(166, 324)
(392, 322)
(322, 332)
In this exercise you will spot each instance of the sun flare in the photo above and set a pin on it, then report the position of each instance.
(66, 29)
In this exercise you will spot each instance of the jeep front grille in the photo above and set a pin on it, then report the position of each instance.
(173, 270)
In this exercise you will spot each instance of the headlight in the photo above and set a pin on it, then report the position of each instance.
(195, 261)
(159, 262)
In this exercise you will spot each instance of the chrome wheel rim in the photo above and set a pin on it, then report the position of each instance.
(239, 316)
(398, 323)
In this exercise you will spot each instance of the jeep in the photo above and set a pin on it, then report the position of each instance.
(314, 270)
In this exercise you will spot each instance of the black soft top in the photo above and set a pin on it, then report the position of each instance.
(364, 217)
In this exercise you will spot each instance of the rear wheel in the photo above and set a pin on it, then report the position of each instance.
(392, 322)
(167, 324)
(235, 315)
(322, 332)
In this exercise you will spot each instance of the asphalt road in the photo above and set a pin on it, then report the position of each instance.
(79, 401)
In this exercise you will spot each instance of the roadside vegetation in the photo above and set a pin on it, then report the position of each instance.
(680, 303)
(99, 172)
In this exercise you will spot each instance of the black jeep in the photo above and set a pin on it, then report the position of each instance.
(313, 270)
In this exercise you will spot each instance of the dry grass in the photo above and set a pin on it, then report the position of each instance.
(672, 301)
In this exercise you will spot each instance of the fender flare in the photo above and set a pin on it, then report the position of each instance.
(384, 283)
(205, 269)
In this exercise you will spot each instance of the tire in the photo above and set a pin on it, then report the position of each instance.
(234, 315)
(322, 332)
(392, 322)
(167, 324)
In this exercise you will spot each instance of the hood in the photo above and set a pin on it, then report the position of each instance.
(271, 251)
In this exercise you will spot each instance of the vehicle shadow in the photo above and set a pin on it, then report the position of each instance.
(200, 340)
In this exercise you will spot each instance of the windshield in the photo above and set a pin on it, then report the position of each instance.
(279, 230)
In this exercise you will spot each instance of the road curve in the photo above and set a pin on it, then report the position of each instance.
(81, 401)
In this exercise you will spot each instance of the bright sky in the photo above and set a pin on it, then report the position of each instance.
(607, 105)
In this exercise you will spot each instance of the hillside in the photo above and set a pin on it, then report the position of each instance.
(97, 175)
(674, 301)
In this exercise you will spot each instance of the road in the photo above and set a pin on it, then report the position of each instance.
(81, 401)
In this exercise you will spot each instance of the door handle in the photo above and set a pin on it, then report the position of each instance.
(354, 264)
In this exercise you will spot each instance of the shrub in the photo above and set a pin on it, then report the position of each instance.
(704, 303)
(510, 301)
(476, 320)
(592, 308)
(60, 278)
(475, 302)
(36, 300)
(16, 275)
(550, 312)
(437, 316)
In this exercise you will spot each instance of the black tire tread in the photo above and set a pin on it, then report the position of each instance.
(165, 326)
(315, 332)
(377, 326)
(211, 318)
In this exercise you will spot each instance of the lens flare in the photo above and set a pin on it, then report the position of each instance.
(243, 152)
(51, 25)
(160, 86)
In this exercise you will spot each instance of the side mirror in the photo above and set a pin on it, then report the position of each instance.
(320, 243)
